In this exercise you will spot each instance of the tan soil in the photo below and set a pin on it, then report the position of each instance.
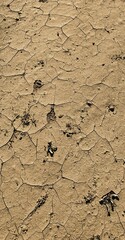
(62, 119)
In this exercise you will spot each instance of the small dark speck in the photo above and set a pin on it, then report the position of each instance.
(89, 103)
(43, 1)
(111, 108)
(60, 116)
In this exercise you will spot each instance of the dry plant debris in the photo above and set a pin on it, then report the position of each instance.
(51, 149)
(108, 201)
(40, 202)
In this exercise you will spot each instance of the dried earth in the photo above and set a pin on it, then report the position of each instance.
(62, 119)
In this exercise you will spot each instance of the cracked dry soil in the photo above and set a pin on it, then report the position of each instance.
(62, 120)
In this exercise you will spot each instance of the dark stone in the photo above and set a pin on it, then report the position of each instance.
(37, 84)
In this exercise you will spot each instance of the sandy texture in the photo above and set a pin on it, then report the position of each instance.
(62, 119)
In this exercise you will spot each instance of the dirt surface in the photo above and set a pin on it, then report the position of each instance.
(62, 120)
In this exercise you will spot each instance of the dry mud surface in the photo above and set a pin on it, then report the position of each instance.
(62, 120)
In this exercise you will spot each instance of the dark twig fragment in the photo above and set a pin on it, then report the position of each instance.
(108, 201)
(40, 202)
(51, 149)
(89, 198)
